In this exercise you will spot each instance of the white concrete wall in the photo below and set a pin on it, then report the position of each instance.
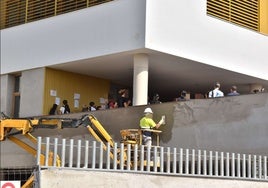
(32, 90)
(182, 28)
(104, 29)
(71, 178)
(177, 27)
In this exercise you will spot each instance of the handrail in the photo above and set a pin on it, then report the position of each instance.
(157, 159)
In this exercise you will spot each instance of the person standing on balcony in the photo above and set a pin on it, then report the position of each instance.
(233, 91)
(65, 109)
(123, 100)
(53, 110)
(216, 92)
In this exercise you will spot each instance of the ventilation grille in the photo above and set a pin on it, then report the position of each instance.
(240, 12)
(17, 12)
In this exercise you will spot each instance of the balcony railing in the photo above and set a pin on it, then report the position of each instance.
(17, 12)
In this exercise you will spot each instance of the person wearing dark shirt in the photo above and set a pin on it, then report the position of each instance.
(233, 91)
(53, 109)
(123, 100)
(65, 109)
(156, 100)
(182, 96)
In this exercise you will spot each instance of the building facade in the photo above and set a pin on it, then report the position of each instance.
(85, 51)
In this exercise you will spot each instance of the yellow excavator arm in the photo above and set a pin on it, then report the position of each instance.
(26, 126)
(10, 127)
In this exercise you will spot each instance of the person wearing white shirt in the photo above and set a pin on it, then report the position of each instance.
(216, 92)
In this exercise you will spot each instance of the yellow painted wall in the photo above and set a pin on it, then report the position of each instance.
(263, 16)
(66, 84)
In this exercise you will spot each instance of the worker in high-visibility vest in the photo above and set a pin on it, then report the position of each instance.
(147, 123)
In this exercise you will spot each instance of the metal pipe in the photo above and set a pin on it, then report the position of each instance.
(71, 153)
(174, 160)
(93, 155)
(193, 162)
(101, 156)
(86, 154)
(47, 150)
(63, 147)
(55, 152)
(78, 154)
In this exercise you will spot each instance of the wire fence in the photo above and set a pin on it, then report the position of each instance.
(21, 174)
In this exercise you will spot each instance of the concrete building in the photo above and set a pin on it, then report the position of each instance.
(86, 50)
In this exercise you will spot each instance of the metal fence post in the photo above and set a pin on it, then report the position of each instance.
(181, 161)
(55, 152)
(108, 156)
(39, 148)
(210, 163)
(93, 155)
(174, 160)
(71, 153)
(101, 156)
(63, 147)
(86, 154)
(205, 163)
(238, 165)
(78, 154)
(47, 150)
(193, 162)
(227, 165)
(244, 166)
(199, 162)
(115, 156)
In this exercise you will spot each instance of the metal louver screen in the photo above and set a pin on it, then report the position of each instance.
(240, 12)
(17, 12)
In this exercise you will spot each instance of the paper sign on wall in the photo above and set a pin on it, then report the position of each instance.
(103, 100)
(53, 93)
(76, 103)
(76, 96)
(57, 100)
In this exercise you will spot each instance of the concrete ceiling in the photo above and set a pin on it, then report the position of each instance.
(168, 75)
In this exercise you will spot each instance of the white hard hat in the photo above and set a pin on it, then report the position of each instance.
(148, 110)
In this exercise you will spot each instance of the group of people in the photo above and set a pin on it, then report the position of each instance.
(122, 100)
(91, 107)
(216, 92)
(64, 109)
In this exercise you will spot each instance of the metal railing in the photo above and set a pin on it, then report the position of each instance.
(23, 11)
(161, 160)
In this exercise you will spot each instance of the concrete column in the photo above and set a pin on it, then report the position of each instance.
(255, 87)
(140, 79)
